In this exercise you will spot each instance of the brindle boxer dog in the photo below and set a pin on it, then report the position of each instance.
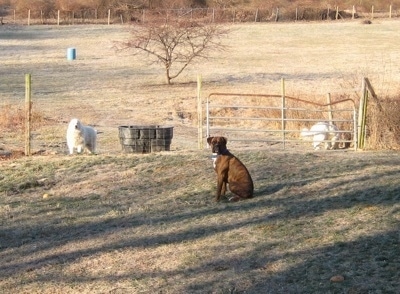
(230, 170)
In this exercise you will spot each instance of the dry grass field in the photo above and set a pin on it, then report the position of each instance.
(133, 223)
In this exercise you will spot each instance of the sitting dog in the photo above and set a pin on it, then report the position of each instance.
(323, 132)
(80, 137)
(230, 170)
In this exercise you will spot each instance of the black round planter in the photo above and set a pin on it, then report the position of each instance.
(145, 139)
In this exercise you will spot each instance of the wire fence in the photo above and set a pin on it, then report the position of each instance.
(212, 15)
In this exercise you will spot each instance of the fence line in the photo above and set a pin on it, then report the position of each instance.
(110, 16)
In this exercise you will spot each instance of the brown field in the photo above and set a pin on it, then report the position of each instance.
(106, 89)
(126, 223)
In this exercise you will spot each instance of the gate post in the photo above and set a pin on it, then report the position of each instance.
(362, 115)
(199, 114)
(329, 101)
(28, 114)
(208, 117)
(283, 123)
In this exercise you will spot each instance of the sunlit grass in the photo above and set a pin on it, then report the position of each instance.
(133, 223)
(149, 222)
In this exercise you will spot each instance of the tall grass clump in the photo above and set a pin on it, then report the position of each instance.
(383, 124)
(13, 117)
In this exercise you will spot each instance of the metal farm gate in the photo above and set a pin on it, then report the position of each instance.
(276, 119)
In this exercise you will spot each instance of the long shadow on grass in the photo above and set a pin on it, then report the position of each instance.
(286, 206)
(369, 265)
(43, 238)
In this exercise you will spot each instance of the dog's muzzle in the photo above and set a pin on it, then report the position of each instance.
(215, 148)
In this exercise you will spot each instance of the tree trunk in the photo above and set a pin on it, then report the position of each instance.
(168, 78)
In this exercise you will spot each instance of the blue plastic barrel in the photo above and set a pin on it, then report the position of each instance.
(71, 54)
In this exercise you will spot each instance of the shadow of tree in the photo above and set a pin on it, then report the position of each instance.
(263, 268)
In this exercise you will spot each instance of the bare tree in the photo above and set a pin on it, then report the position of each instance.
(175, 45)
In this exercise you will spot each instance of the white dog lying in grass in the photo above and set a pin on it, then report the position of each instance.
(80, 137)
(322, 132)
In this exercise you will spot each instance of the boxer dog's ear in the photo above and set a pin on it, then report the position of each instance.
(209, 139)
(224, 140)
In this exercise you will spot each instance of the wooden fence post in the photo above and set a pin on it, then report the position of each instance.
(29, 17)
(109, 16)
(329, 101)
(28, 114)
(208, 116)
(283, 122)
(199, 113)
(362, 113)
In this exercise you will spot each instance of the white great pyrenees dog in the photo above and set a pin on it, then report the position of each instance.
(322, 132)
(80, 137)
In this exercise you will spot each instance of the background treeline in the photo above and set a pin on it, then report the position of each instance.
(71, 5)
(223, 10)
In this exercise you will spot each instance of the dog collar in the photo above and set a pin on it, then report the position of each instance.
(225, 152)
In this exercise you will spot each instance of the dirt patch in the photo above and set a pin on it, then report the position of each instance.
(9, 155)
